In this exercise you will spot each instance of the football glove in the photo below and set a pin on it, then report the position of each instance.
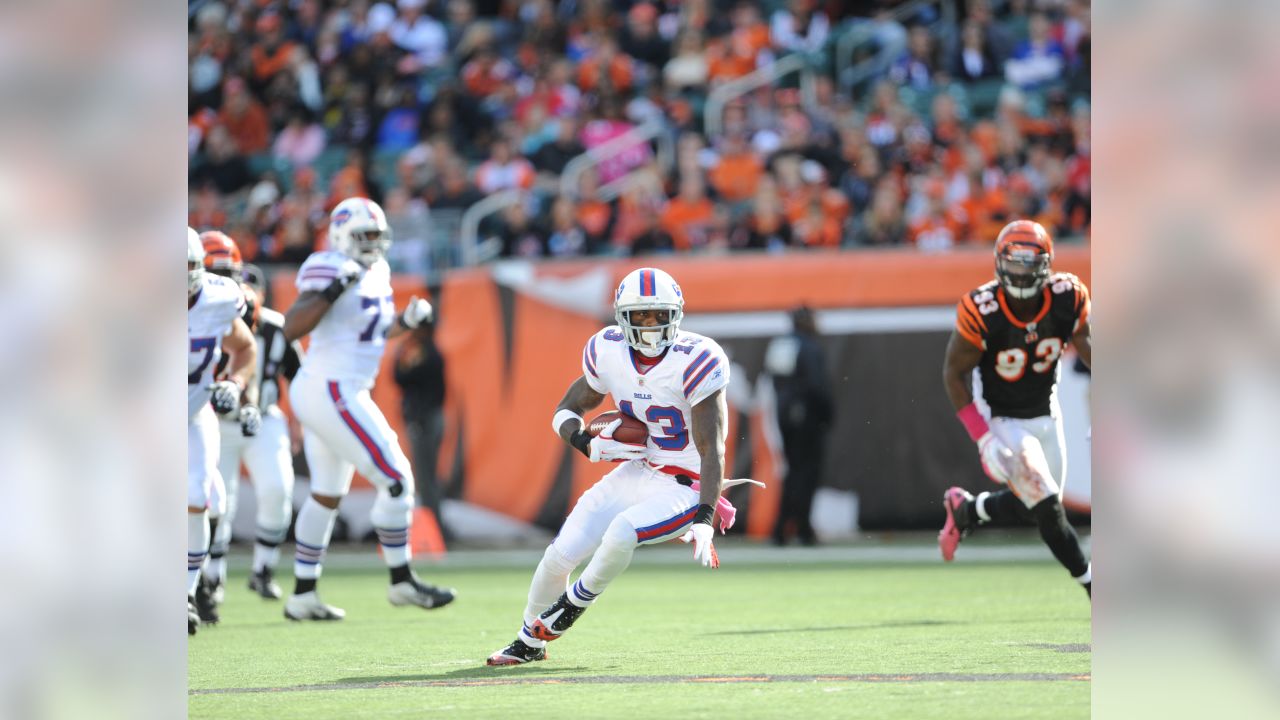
(604, 447)
(346, 278)
(996, 458)
(226, 396)
(250, 420)
(417, 312)
(704, 550)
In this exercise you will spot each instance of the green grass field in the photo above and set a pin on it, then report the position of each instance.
(763, 637)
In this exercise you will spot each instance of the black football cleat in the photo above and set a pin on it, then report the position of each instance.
(517, 653)
(193, 617)
(262, 583)
(558, 618)
(205, 603)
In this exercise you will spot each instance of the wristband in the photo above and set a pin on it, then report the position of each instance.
(973, 421)
(582, 442)
(561, 416)
(704, 515)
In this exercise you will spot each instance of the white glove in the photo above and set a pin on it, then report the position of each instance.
(226, 397)
(704, 551)
(996, 458)
(250, 420)
(604, 447)
(417, 312)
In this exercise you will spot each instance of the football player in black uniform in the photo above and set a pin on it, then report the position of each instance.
(1013, 330)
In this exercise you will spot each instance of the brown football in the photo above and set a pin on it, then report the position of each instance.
(630, 431)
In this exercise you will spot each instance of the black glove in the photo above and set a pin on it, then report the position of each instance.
(345, 279)
(395, 489)
(225, 397)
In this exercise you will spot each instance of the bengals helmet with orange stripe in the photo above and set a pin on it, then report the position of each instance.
(221, 254)
(1024, 253)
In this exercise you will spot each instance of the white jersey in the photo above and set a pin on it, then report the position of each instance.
(662, 396)
(218, 303)
(349, 341)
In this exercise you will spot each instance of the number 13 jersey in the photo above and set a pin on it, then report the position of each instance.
(350, 339)
(1019, 366)
(661, 395)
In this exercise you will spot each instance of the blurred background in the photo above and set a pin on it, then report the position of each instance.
(854, 158)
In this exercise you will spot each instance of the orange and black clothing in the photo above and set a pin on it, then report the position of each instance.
(1019, 366)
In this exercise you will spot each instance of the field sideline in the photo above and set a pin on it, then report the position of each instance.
(865, 630)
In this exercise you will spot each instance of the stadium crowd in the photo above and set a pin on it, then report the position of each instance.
(429, 106)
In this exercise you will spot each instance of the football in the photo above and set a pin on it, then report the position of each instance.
(630, 431)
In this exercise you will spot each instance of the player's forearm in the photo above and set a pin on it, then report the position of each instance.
(711, 476)
(241, 368)
(710, 426)
(958, 390)
(305, 314)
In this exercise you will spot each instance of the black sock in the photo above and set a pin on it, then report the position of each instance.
(1003, 507)
(1060, 536)
(401, 573)
(304, 585)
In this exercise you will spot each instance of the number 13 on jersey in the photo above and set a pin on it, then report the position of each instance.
(671, 420)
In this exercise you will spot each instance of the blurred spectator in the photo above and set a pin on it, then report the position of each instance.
(418, 33)
(688, 215)
(739, 52)
(916, 66)
(998, 39)
(639, 38)
(1037, 61)
(503, 170)
(594, 216)
(801, 27)
(736, 173)
(689, 66)
(223, 166)
(859, 180)
(271, 53)
(206, 209)
(882, 223)
(607, 125)
(543, 32)
(244, 118)
(651, 239)
(553, 156)
(767, 226)
(565, 237)
(520, 235)
(940, 227)
(486, 73)
(606, 71)
(452, 189)
(301, 141)
(797, 365)
(975, 60)
(398, 130)
(460, 15)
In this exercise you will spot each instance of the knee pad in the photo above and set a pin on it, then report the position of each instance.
(557, 562)
(391, 512)
(621, 533)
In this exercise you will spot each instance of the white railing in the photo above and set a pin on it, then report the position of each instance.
(713, 113)
(650, 130)
(469, 230)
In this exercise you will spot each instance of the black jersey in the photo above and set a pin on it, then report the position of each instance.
(1019, 366)
(276, 356)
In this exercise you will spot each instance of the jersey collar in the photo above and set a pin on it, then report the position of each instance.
(644, 368)
(1044, 308)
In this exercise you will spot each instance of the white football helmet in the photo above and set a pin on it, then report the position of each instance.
(358, 229)
(195, 261)
(649, 289)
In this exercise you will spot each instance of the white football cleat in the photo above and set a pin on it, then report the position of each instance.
(308, 606)
(413, 592)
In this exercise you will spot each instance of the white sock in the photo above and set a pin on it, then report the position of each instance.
(549, 581)
(216, 567)
(197, 547)
(312, 532)
(981, 506)
(265, 556)
(1087, 577)
(395, 546)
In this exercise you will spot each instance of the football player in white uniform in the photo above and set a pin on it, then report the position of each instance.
(264, 447)
(345, 303)
(214, 306)
(675, 383)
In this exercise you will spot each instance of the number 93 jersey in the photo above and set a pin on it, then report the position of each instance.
(1019, 366)
(218, 303)
(661, 395)
(350, 339)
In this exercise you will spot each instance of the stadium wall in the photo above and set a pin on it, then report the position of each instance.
(512, 336)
